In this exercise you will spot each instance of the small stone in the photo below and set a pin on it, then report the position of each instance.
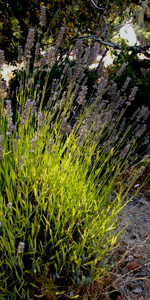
(137, 290)
(71, 294)
(133, 266)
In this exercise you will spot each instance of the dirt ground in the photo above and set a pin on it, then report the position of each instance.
(132, 257)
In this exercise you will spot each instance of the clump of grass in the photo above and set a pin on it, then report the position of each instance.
(63, 180)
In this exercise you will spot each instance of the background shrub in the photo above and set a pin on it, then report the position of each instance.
(138, 70)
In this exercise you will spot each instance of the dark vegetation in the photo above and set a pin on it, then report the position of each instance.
(16, 17)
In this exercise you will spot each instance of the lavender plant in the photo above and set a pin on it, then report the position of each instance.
(60, 169)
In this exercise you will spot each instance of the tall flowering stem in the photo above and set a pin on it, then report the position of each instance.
(2, 58)
(9, 115)
(42, 19)
(29, 43)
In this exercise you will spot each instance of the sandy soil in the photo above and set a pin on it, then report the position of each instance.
(132, 257)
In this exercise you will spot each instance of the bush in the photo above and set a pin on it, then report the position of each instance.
(138, 72)
(65, 173)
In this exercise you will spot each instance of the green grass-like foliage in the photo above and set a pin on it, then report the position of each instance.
(62, 184)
